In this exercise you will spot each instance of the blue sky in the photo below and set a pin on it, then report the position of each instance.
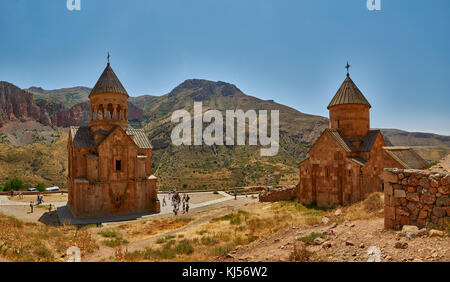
(293, 52)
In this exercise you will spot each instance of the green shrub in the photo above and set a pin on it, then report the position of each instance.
(207, 240)
(109, 233)
(184, 247)
(222, 250)
(114, 242)
(13, 184)
(308, 239)
(40, 187)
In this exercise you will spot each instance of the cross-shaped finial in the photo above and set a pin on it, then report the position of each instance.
(109, 56)
(347, 67)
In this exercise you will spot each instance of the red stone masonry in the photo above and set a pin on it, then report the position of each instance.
(416, 197)
(285, 193)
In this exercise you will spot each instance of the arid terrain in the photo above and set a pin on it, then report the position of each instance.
(34, 124)
(233, 230)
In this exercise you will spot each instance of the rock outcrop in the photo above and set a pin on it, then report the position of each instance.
(19, 105)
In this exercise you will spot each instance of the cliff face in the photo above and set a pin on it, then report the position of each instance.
(16, 104)
(19, 105)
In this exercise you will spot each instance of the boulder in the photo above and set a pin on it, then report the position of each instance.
(410, 231)
(318, 241)
(436, 233)
(401, 245)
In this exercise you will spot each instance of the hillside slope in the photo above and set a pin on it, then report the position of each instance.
(36, 117)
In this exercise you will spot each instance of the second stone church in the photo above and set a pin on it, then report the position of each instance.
(346, 162)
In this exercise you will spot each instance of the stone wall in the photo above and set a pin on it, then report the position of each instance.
(283, 193)
(416, 197)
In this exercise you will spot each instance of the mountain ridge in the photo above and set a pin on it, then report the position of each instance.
(187, 166)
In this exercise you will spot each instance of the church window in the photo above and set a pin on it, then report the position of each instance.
(338, 123)
(118, 165)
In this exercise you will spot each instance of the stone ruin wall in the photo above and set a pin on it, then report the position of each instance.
(283, 193)
(416, 197)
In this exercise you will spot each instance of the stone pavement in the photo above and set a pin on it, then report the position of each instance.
(66, 217)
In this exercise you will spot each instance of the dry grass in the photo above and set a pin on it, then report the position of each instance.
(223, 234)
(145, 229)
(300, 253)
(367, 209)
(24, 242)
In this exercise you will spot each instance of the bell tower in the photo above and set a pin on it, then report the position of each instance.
(350, 111)
(109, 105)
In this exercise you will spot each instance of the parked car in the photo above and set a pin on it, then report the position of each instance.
(32, 189)
(51, 189)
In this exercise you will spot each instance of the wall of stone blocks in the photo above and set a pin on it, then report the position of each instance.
(286, 193)
(416, 197)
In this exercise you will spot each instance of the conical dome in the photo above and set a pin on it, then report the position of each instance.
(348, 93)
(108, 83)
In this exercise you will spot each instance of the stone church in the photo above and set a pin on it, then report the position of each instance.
(346, 162)
(110, 163)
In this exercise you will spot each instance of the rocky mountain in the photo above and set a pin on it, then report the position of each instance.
(406, 138)
(216, 166)
(36, 115)
(68, 97)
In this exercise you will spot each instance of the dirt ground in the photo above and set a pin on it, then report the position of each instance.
(50, 198)
(346, 242)
(443, 164)
(139, 240)
(246, 230)
(40, 214)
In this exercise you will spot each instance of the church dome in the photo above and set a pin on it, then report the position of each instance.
(108, 83)
(348, 93)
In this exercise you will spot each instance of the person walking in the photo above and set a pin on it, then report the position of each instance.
(164, 201)
(31, 206)
(50, 208)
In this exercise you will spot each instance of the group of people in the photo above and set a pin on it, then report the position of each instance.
(177, 201)
(13, 193)
(39, 201)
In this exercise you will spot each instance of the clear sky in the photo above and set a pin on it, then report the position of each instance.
(291, 51)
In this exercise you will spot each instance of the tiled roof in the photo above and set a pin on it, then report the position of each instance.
(348, 93)
(139, 138)
(82, 137)
(341, 140)
(407, 157)
(368, 140)
(108, 82)
(366, 145)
